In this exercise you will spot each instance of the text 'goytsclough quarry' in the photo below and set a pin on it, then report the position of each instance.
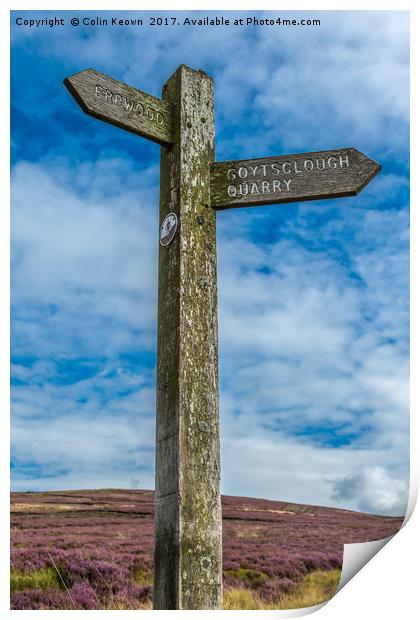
(277, 175)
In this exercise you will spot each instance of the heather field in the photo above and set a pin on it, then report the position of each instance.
(94, 550)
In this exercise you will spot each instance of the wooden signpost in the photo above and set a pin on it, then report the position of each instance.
(188, 519)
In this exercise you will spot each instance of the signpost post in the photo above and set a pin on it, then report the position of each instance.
(188, 519)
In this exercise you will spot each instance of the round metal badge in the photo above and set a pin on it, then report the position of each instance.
(168, 229)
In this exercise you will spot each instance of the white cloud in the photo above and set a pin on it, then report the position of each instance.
(313, 354)
(293, 86)
(90, 255)
(373, 490)
(312, 320)
(99, 429)
(303, 343)
(290, 470)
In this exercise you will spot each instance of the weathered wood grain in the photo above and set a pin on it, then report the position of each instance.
(124, 106)
(188, 526)
(290, 178)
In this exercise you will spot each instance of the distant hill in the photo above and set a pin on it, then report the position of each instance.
(94, 549)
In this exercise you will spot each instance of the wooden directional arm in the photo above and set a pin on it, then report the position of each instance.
(290, 178)
(124, 106)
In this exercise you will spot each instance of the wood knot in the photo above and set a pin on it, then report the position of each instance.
(200, 220)
(189, 124)
(203, 283)
(203, 119)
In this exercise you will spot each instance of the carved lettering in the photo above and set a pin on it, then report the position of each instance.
(260, 175)
(256, 188)
(254, 170)
(130, 105)
(287, 167)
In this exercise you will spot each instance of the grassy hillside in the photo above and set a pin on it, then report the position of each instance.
(94, 550)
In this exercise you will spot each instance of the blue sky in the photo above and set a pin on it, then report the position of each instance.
(313, 296)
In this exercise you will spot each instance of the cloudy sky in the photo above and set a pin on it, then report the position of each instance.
(313, 296)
